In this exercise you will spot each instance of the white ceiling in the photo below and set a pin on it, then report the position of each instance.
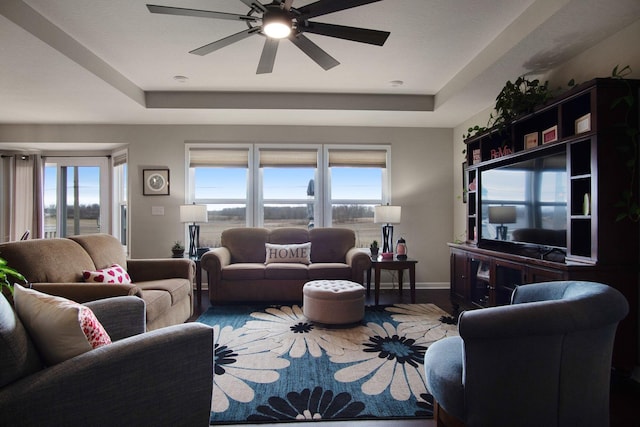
(97, 61)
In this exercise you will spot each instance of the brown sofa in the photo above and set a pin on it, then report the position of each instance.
(237, 271)
(55, 266)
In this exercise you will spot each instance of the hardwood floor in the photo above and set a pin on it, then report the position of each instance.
(625, 393)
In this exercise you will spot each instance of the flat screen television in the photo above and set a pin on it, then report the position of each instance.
(525, 201)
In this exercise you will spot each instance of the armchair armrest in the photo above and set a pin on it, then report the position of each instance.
(214, 260)
(359, 261)
(84, 292)
(159, 378)
(142, 270)
(122, 317)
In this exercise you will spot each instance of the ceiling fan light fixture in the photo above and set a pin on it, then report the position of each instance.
(276, 24)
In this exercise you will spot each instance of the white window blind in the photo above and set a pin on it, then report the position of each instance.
(203, 157)
(360, 158)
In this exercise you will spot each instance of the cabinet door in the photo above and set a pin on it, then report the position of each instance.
(537, 275)
(458, 276)
(507, 275)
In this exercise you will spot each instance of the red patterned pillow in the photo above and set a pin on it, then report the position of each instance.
(92, 328)
(113, 274)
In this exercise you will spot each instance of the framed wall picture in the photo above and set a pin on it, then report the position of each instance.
(155, 182)
(531, 140)
(550, 135)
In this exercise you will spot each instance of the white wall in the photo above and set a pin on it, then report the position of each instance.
(421, 177)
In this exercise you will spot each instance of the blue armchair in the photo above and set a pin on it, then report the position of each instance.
(544, 360)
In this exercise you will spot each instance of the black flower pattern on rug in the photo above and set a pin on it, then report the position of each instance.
(223, 355)
(425, 406)
(316, 404)
(402, 349)
(302, 328)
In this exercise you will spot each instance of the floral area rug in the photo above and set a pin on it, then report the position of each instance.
(274, 365)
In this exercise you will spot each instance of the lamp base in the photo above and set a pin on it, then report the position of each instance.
(387, 238)
(501, 232)
(194, 239)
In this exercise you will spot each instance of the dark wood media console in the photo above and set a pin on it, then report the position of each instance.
(590, 127)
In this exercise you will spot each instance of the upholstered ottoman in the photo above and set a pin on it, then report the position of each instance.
(333, 302)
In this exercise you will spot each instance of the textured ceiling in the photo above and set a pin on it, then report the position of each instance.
(91, 61)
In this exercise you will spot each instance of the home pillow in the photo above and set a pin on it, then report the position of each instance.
(300, 253)
(112, 274)
(60, 328)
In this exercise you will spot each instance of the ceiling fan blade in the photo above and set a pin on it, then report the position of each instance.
(255, 5)
(199, 13)
(286, 4)
(219, 44)
(314, 52)
(268, 57)
(323, 7)
(362, 35)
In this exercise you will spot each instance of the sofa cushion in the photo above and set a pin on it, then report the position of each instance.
(18, 356)
(288, 235)
(245, 244)
(60, 328)
(330, 270)
(104, 249)
(178, 289)
(156, 302)
(244, 271)
(296, 253)
(57, 260)
(286, 271)
(112, 274)
(331, 244)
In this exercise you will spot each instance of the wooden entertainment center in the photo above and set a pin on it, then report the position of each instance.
(589, 126)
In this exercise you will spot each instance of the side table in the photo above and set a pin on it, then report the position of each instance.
(379, 264)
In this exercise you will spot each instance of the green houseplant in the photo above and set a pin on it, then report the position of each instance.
(374, 248)
(177, 249)
(5, 273)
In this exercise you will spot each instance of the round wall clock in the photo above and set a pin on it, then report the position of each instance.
(156, 182)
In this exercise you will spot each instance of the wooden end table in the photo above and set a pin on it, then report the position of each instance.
(378, 264)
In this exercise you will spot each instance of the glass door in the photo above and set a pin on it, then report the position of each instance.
(76, 196)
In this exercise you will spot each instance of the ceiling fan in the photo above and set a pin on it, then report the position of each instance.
(286, 22)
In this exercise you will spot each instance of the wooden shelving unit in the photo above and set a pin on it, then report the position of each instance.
(585, 123)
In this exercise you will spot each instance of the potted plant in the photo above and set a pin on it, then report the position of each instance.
(374, 248)
(5, 273)
(177, 249)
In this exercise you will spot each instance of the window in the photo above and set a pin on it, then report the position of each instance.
(75, 196)
(276, 186)
(219, 178)
(358, 182)
(288, 187)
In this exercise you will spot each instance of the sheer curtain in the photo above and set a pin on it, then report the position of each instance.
(22, 196)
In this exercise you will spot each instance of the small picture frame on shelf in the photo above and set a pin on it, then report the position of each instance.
(550, 135)
(531, 140)
(155, 182)
(583, 124)
(476, 156)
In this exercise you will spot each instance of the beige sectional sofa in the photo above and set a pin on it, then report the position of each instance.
(55, 266)
(238, 271)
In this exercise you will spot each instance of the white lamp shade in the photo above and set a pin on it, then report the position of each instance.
(502, 214)
(193, 213)
(386, 214)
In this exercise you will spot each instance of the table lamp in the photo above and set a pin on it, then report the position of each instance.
(502, 215)
(193, 214)
(387, 215)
